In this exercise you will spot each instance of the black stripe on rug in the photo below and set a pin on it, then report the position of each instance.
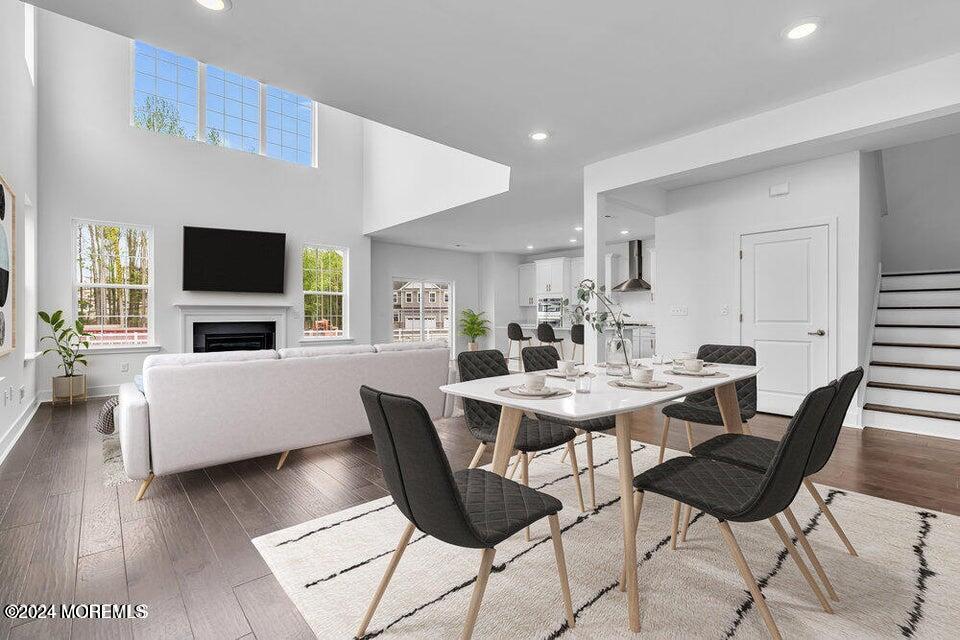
(915, 615)
(421, 537)
(747, 604)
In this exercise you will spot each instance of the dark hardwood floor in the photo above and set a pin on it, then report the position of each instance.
(185, 549)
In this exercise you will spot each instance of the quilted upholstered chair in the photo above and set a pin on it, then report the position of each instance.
(515, 335)
(544, 358)
(702, 407)
(758, 453)
(735, 493)
(473, 508)
(483, 419)
(545, 335)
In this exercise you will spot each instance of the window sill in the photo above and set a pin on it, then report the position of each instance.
(309, 341)
(125, 348)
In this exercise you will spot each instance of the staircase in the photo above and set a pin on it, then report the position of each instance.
(915, 364)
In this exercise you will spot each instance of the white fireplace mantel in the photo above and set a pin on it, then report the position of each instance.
(191, 313)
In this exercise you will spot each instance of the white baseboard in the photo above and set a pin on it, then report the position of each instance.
(11, 437)
(46, 395)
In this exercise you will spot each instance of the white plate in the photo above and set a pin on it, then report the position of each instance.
(697, 374)
(546, 392)
(555, 373)
(653, 384)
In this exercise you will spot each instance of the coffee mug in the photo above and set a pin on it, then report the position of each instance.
(693, 365)
(566, 367)
(642, 374)
(684, 356)
(534, 381)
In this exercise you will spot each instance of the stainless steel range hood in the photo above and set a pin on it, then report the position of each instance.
(635, 281)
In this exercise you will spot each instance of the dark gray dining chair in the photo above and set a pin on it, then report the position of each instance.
(546, 335)
(735, 493)
(515, 335)
(576, 340)
(759, 453)
(534, 436)
(545, 358)
(473, 508)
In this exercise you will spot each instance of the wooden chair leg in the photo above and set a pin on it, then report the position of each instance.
(562, 569)
(637, 506)
(525, 481)
(516, 465)
(663, 438)
(593, 486)
(814, 560)
(385, 580)
(792, 550)
(563, 458)
(576, 474)
(808, 483)
(486, 563)
(737, 554)
(143, 487)
(676, 524)
(688, 511)
(476, 457)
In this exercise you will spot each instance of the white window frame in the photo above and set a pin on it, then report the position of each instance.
(345, 294)
(451, 306)
(201, 136)
(149, 287)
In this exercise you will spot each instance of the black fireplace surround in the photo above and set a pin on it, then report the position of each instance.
(233, 336)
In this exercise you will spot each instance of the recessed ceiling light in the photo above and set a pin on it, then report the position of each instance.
(578, 228)
(802, 29)
(539, 136)
(573, 239)
(215, 5)
(529, 246)
(624, 232)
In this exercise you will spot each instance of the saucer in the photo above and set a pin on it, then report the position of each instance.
(555, 373)
(545, 392)
(696, 374)
(653, 384)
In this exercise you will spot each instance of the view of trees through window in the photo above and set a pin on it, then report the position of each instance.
(113, 282)
(324, 295)
(422, 311)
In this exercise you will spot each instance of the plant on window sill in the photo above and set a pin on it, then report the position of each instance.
(68, 341)
(473, 325)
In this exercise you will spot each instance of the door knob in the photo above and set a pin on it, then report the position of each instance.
(818, 332)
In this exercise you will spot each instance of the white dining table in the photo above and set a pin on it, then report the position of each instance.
(605, 400)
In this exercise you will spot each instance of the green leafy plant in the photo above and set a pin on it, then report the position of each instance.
(607, 315)
(160, 115)
(473, 324)
(68, 340)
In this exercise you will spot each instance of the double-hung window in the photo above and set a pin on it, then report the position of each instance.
(113, 282)
(325, 292)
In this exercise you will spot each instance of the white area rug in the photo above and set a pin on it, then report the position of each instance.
(904, 584)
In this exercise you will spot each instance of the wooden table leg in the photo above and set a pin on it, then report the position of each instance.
(625, 457)
(506, 438)
(729, 407)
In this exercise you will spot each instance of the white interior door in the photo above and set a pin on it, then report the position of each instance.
(784, 298)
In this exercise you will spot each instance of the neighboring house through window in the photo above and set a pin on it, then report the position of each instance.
(421, 316)
(325, 292)
(113, 282)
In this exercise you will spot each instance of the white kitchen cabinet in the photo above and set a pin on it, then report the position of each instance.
(553, 276)
(527, 285)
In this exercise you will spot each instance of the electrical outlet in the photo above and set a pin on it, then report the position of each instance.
(678, 310)
(724, 310)
(124, 367)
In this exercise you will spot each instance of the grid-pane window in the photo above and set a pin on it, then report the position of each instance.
(289, 126)
(324, 292)
(165, 91)
(232, 110)
(113, 282)
(422, 311)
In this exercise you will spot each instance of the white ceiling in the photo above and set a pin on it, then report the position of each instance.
(603, 78)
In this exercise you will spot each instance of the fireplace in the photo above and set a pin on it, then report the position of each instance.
(233, 336)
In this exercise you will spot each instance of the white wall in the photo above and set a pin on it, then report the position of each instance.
(871, 208)
(499, 288)
(407, 177)
(697, 262)
(922, 229)
(18, 165)
(390, 260)
(93, 164)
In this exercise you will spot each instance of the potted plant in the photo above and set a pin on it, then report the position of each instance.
(68, 340)
(473, 325)
(609, 315)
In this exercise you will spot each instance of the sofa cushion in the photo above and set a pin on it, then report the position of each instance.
(165, 359)
(408, 346)
(332, 350)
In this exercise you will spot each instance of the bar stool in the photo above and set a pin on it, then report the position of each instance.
(576, 339)
(546, 336)
(515, 334)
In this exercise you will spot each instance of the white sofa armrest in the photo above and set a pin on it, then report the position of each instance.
(133, 422)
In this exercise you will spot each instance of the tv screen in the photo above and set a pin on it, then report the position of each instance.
(231, 260)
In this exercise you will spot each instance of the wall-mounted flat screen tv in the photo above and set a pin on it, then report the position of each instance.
(233, 260)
